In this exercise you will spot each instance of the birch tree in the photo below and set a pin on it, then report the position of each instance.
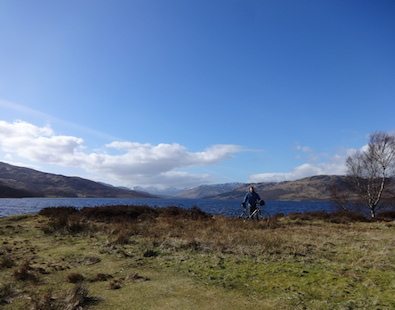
(370, 169)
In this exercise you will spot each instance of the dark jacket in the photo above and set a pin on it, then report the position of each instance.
(251, 198)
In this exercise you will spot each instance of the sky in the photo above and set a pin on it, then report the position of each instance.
(168, 93)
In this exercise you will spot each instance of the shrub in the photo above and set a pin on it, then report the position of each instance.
(25, 273)
(75, 225)
(122, 237)
(135, 277)
(6, 261)
(45, 301)
(196, 213)
(58, 211)
(75, 277)
(90, 260)
(333, 217)
(193, 245)
(100, 277)
(151, 253)
(193, 213)
(119, 213)
(115, 284)
(77, 298)
(386, 216)
(7, 292)
(70, 219)
(64, 223)
(347, 217)
(308, 216)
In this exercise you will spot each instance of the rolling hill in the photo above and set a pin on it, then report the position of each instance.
(311, 188)
(25, 182)
(318, 187)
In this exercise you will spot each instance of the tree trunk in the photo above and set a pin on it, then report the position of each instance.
(372, 212)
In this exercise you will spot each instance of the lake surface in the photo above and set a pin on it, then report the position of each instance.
(15, 206)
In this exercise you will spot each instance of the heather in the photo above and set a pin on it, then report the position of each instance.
(137, 257)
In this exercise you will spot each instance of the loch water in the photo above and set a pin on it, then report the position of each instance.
(17, 206)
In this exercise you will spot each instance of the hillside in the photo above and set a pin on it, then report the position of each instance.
(311, 188)
(10, 192)
(25, 182)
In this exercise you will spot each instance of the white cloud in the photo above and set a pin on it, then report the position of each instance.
(173, 179)
(335, 166)
(316, 164)
(148, 159)
(37, 143)
(132, 164)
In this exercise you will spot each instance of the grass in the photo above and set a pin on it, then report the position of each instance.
(142, 258)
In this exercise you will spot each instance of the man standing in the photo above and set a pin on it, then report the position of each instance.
(251, 199)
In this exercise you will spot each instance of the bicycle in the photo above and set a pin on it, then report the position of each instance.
(257, 214)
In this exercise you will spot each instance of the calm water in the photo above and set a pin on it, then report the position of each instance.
(14, 206)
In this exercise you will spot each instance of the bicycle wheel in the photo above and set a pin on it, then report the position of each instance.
(243, 215)
(265, 216)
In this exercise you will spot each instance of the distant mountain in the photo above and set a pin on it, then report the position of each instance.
(204, 191)
(166, 192)
(318, 187)
(25, 182)
(311, 188)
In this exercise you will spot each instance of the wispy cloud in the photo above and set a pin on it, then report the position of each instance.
(25, 110)
(124, 162)
(304, 148)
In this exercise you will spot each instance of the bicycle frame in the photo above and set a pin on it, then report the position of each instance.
(255, 214)
(258, 214)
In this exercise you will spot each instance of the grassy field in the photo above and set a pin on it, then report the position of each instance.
(140, 258)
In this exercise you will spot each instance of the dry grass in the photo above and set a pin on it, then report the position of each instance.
(173, 258)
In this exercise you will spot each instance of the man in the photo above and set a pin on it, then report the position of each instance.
(251, 199)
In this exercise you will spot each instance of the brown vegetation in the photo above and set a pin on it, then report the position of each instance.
(173, 227)
(6, 260)
(25, 273)
(7, 292)
(77, 298)
(128, 248)
(75, 277)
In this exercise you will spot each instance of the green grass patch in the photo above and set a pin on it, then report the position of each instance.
(172, 260)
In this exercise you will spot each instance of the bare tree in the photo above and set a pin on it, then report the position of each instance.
(370, 169)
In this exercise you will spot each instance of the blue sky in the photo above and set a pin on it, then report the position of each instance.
(179, 93)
